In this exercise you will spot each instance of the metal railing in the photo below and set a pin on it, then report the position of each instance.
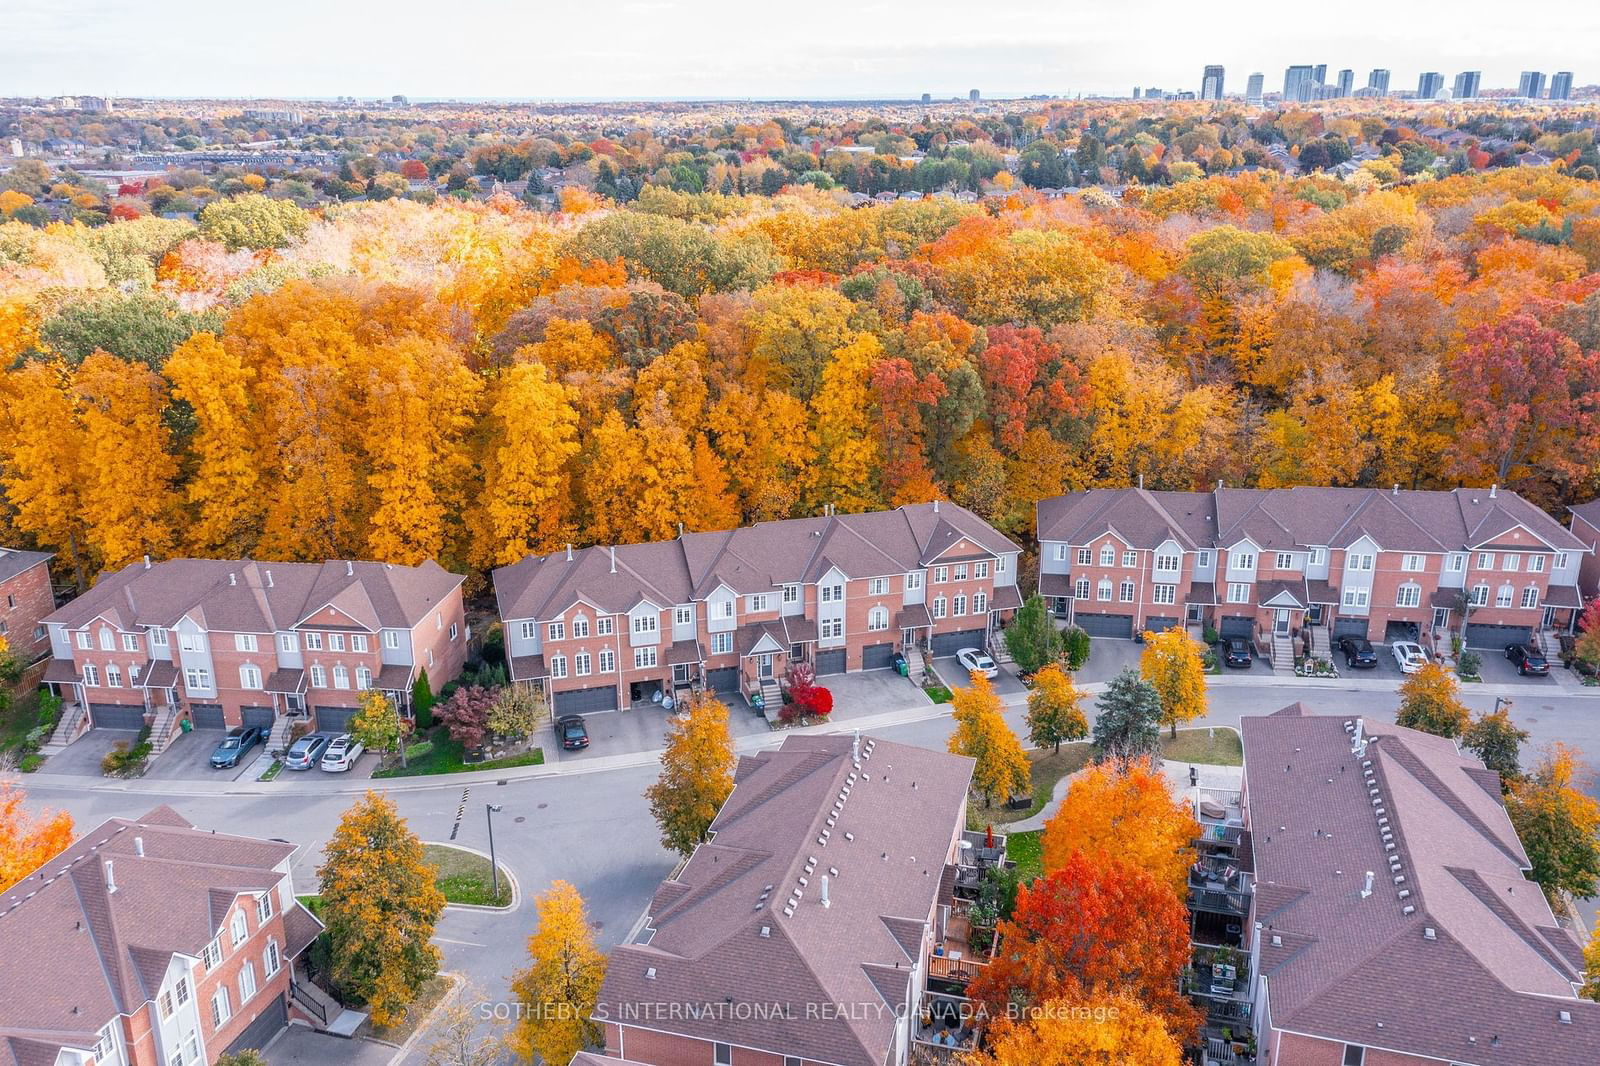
(307, 1002)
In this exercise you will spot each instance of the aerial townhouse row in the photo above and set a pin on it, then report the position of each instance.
(605, 627)
(222, 643)
(1263, 563)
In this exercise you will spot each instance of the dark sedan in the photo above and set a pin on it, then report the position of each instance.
(1358, 653)
(235, 744)
(1236, 652)
(573, 733)
(1527, 660)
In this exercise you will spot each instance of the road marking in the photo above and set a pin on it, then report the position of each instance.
(463, 943)
(461, 812)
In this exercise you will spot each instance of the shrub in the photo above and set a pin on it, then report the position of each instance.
(1209, 635)
(124, 760)
(1469, 663)
(30, 762)
(1077, 648)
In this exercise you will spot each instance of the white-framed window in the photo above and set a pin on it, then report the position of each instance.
(363, 678)
(758, 602)
(198, 678)
(582, 665)
(682, 615)
(1242, 560)
(1357, 597)
(558, 666)
(1125, 592)
(247, 981)
(722, 608)
(158, 637)
(1511, 561)
(1164, 593)
(958, 606)
(1480, 595)
(1085, 556)
(877, 620)
(1108, 555)
(319, 676)
(288, 642)
(721, 643)
(113, 675)
(358, 641)
(833, 593)
(525, 630)
(1080, 590)
(1456, 562)
(999, 565)
(263, 906)
(341, 676)
(1409, 595)
(608, 660)
(721, 1054)
(1503, 595)
(980, 569)
(271, 959)
(913, 580)
(980, 603)
(91, 675)
(1202, 559)
(211, 955)
(108, 639)
(1486, 560)
(238, 928)
(1561, 560)
(644, 657)
(166, 1005)
(646, 623)
(833, 628)
(961, 572)
(250, 677)
(133, 675)
(105, 1043)
(1239, 592)
(130, 642)
(244, 642)
(181, 988)
(1318, 556)
(190, 642)
(878, 586)
(941, 574)
(1130, 558)
(603, 626)
(1358, 561)
(1413, 563)
(580, 626)
(791, 594)
(1169, 563)
(1102, 591)
(1536, 564)
(313, 641)
(939, 606)
(555, 631)
(191, 1047)
(84, 640)
(1530, 596)
(1060, 552)
(221, 1009)
(391, 637)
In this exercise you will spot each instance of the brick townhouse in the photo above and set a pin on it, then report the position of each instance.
(605, 627)
(149, 943)
(239, 642)
(1389, 921)
(25, 599)
(1263, 563)
(804, 930)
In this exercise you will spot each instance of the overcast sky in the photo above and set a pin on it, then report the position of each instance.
(760, 48)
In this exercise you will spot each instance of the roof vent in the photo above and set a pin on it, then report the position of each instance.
(147, 562)
(766, 932)
(268, 574)
(569, 551)
(349, 568)
(1408, 909)
(138, 846)
(825, 900)
(1565, 1016)
(1277, 941)
(1429, 933)
(849, 836)
(1405, 893)
(1367, 889)
(111, 881)
(650, 972)
(613, 559)
(1494, 490)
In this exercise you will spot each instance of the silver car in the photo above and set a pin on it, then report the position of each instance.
(305, 752)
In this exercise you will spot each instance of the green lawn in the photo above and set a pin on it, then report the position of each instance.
(1024, 850)
(464, 876)
(1204, 747)
(312, 904)
(1048, 767)
(438, 754)
(20, 717)
(938, 693)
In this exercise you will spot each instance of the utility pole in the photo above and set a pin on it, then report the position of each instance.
(490, 810)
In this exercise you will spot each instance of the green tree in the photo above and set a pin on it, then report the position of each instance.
(422, 699)
(1032, 637)
(254, 221)
(1054, 714)
(377, 725)
(1428, 702)
(380, 905)
(1558, 820)
(1128, 725)
(1496, 740)
(696, 775)
(138, 328)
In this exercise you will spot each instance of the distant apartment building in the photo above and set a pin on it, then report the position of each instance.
(150, 942)
(1265, 564)
(927, 98)
(261, 114)
(1363, 900)
(224, 642)
(1320, 73)
(1347, 83)
(1466, 87)
(1254, 89)
(972, 95)
(1531, 84)
(1379, 80)
(1299, 84)
(1561, 85)
(1429, 84)
(606, 627)
(26, 599)
(1211, 83)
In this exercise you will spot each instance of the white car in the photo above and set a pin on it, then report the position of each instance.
(341, 754)
(1411, 657)
(976, 661)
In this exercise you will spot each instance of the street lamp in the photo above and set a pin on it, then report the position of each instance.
(490, 810)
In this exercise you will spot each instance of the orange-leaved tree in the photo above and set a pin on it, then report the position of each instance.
(1105, 1031)
(982, 734)
(1558, 821)
(1124, 812)
(28, 841)
(560, 986)
(1428, 702)
(696, 774)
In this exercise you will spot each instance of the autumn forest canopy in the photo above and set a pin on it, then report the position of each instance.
(476, 381)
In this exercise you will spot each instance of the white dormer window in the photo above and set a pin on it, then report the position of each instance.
(1168, 562)
(832, 593)
(1242, 559)
(190, 642)
(391, 637)
(1561, 560)
(1319, 556)
(1358, 561)
(913, 580)
(524, 629)
(1108, 555)
(1455, 562)
(158, 637)
(288, 643)
(1202, 559)
(1000, 564)
(683, 615)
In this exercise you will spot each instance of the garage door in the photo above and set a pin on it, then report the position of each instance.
(830, 662)
(725, 680)
(877, 657)
(1349, 627)
(950, 643)
(586, 700)
(116, 716)
(334, 719)
(1105, 625)
(261, 716)
(259, 1033)
(1159, 625)
(207, 716)
(1497, 637)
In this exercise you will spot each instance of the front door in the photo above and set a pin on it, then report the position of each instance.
(1280, 622)
(1549, 617)
(1194, 612)
(680, 673)
(764, 664)
(1441, 618)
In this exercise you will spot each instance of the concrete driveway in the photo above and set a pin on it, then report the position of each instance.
(872, 692)
(83, 755)
(1108, 657)
(957, 676)
(1498, 670)
(300, 1046)
(188, 758)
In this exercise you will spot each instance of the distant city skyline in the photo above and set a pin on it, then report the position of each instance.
(723, 49)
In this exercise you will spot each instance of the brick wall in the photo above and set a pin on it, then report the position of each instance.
(24, 600)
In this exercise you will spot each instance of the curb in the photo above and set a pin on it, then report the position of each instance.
(483, 908)
(456, 982)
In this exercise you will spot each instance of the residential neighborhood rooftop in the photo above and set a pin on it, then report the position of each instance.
(14, 561)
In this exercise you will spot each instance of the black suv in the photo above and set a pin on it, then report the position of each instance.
(1526, 660)
(1358, 653)
(1236, 652)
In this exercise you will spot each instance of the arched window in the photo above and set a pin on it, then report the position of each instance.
(878, 619)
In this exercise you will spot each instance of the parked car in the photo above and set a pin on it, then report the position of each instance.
(342, 753)
(975, 661)
(573, 733)
(1358, 653)
(235, 744)
(1527, 660)
(306, 752)
(1236, 652)
(1411, 657)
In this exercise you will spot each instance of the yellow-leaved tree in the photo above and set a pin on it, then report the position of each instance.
(1055, 713)
(1123, 811)
(531, 438)
(849, 453)
(42, 448)
(982, 734)
(224, 489)
(126, 464)
(1429, 702)
(380, 904)
(1108, 1031)
(560, 986)
(1172, 664)
(696, 774)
